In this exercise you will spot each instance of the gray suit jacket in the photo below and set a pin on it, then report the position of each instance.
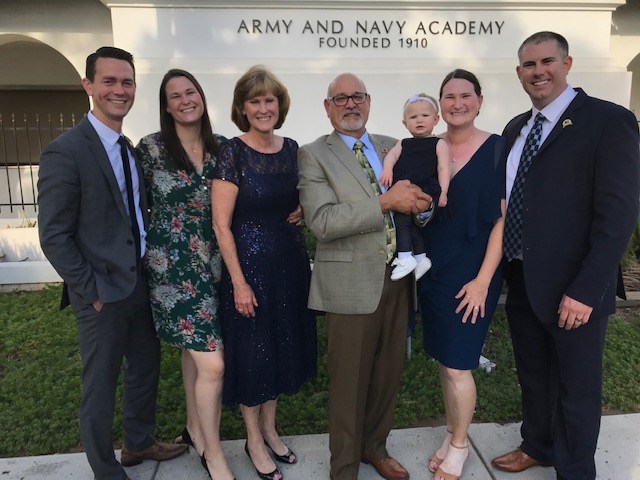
(84, 228)
(343, 212)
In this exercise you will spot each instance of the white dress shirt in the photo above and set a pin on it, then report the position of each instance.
(552, 114)
(109, 140)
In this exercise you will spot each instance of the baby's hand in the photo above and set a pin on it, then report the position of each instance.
(386, 178)
(442, 202)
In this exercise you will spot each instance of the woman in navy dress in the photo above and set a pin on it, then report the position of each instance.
(269, 334)
(459, 294)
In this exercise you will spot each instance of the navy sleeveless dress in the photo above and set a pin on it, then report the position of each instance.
(418, 163)
(275, 351)
(456, 244)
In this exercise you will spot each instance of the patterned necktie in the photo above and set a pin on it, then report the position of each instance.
(135, 228)
(513, 222)
(389, 229)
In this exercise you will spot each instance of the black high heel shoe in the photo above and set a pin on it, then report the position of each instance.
(288, 457)
(263, 476)
(185, 437)
(204, 464)
(206, 467)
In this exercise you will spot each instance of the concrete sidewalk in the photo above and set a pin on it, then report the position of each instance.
(617, 458)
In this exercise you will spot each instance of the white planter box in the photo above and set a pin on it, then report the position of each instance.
(20, 244)
(12, 273)
(24, 261)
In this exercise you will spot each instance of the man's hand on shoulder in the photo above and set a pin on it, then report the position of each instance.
(405, 197)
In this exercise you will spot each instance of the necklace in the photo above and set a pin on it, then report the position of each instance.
(194, 148)
(461, 146)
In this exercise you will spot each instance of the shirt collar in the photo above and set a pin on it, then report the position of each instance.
(106, 134)
(351, 141)
(556, 108)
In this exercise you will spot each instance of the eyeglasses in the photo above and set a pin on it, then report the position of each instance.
(342, 100)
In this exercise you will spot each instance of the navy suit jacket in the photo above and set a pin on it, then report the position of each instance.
(580, 205)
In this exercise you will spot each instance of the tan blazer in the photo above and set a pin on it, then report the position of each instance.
(343, 212)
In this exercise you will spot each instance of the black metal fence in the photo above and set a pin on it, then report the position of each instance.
(22, 138)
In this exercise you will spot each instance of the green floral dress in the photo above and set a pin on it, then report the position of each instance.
(182, 261)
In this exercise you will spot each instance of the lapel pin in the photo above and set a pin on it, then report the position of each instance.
(567, 122)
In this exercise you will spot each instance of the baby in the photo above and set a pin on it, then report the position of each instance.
(423, 160)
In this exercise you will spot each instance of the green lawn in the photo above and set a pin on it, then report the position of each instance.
(40, 381)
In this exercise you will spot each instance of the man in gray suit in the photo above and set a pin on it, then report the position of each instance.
(91, 220)
(366, 312)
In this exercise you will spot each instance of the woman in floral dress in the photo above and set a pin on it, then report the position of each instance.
(183, 264)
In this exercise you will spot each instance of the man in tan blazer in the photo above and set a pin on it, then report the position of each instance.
(366, 312)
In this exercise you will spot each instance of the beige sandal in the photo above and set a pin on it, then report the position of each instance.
(446, 476)
(436, 459)
(450, 476)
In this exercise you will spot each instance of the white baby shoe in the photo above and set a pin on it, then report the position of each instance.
(422, 267)
(403, 267)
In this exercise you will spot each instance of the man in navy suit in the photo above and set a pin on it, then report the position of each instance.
(92, 221)
(572, 213)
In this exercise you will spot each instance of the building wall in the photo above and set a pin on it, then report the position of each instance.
(218, 40)
(398, 47)
(625, 49)
(43, 47)
(36, 78)
(72, 27)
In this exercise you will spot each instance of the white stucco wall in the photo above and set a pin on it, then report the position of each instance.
(74, 28)
(209, 38)
(217, 41)
(625, 49)
(39, 65)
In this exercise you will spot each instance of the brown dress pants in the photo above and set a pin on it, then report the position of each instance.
(365, 361)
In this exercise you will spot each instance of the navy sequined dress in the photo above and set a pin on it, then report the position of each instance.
(275, 351)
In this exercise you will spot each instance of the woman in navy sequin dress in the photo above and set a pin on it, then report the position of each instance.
(269, 334)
